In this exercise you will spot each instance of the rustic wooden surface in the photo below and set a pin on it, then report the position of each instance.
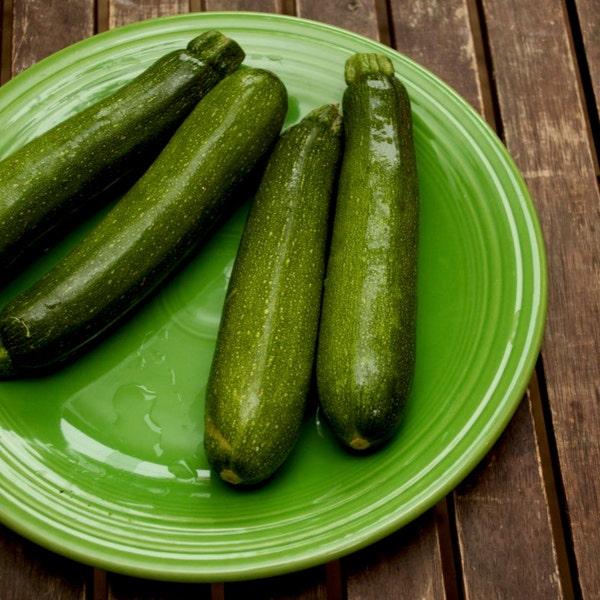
(525, 523)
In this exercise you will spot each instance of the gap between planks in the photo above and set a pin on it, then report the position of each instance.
(485, 68)
(553, 484)
(585, 79)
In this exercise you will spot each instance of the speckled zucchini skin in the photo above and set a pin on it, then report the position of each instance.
(261, 371)
(165, 215)
(63, 170)
(367, 338)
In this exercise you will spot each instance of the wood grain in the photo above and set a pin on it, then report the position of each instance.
(5, 46)
(358, 16)
(406, 564)
(40, 28)
(545, 128)
(31, 31)
(462, 68)
(121, 12)
(119, 587)
(438, 36)
(28, 571)
(274, 6)
(517, 525)
(307, 584)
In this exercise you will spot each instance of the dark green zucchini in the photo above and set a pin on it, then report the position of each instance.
(168, 212)
(64, 169)
(367, 337)
(261, 371)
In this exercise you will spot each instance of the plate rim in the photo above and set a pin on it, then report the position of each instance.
(79, 549)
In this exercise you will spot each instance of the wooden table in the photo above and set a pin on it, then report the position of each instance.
(526, 522)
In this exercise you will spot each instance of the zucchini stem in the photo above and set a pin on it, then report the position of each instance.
(213, 48)
(367, 63)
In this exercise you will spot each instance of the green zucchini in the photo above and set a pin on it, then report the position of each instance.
(166, 215)
(65, 169)
(367, 336)
(261, 370)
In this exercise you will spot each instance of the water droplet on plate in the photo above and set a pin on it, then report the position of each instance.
(182, 470)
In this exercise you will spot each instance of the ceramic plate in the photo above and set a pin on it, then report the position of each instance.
(102, 462)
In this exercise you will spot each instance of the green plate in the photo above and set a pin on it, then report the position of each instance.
(102, 462)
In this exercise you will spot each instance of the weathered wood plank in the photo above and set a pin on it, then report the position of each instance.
(388, 569)
(31, 31)
(5, 49)
(120, 587)
(406, 564)
(28, 571)
(121, 12)
(589, 21)
(460, 65)
(354, 15)
(308, 584)
(438, 35)
(305, 585)
(545, 128)
(40, 28)
(515, 524)
(274, 6)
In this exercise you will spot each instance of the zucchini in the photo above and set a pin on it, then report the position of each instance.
(166, 215)
(261, 370)
(367, 336)
(65, 169)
